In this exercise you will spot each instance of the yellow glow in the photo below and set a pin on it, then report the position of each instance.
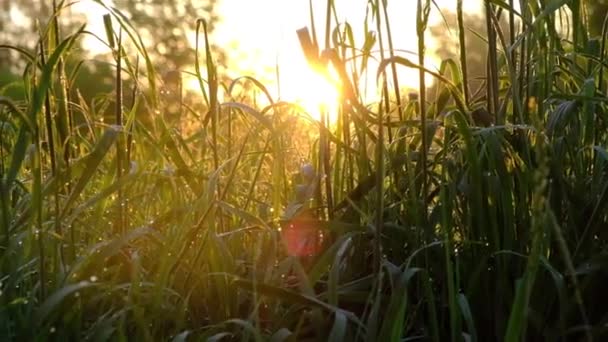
(259, 48)
(191, 83)
(94, 13)
(315, 90)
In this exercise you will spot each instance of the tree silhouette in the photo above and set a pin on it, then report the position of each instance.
(596, 11)
(446, 33)
(164, 26)
(476, 47)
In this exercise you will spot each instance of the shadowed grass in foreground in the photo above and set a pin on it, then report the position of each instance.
(453, 215)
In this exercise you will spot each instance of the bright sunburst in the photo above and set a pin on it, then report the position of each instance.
(315, 90)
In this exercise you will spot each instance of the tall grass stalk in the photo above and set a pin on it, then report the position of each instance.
(422, 16)
(463, 52)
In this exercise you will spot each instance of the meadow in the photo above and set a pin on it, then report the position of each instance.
(451, 214)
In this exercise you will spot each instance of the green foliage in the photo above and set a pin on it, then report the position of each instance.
(150, 226)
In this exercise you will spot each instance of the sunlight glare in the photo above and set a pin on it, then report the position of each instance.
(94, 13)
(316, 91)
(191, 83)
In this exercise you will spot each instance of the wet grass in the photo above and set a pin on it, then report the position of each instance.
(453, 215)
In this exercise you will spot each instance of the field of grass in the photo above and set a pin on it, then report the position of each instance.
(440, 221)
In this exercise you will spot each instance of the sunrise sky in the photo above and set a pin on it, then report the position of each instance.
(260, 35)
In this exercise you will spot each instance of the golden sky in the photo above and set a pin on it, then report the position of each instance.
(260, 35)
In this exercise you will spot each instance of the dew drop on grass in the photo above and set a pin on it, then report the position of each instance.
(93, 279)
(52, 330)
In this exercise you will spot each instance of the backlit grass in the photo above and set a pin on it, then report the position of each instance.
(454, 214)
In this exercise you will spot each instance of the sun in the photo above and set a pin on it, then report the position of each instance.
(314, 89)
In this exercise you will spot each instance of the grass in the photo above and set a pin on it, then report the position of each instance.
(448, 231)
